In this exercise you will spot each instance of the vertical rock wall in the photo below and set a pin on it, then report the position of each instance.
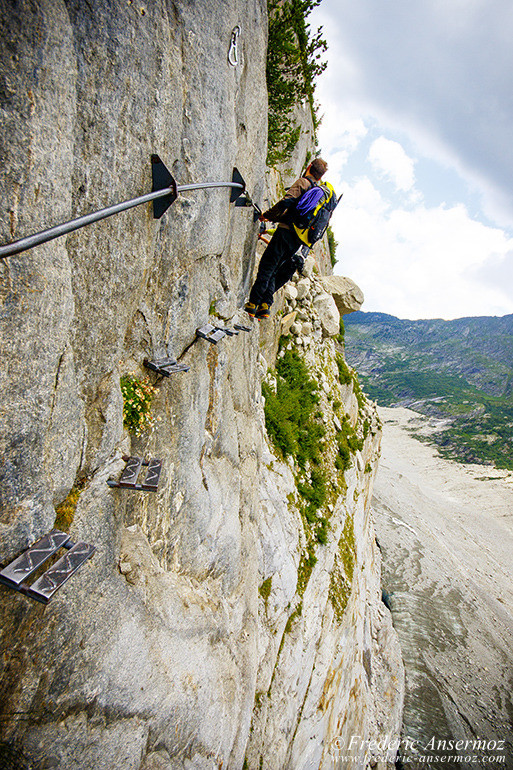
(152, 656)
(330, 666)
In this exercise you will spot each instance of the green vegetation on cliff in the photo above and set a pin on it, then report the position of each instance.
(332, 246)
(65, 511)
(293, 62)
(321, 444)
(289, 411)
(341, 578)
(293, 425)
(137, 397)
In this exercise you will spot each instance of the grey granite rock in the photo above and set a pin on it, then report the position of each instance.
(347, 295)
(154, 654)
(328, 313)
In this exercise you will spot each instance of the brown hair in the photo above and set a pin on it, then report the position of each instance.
(318, 167)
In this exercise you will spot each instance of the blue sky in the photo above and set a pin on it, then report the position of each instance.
(417, 102)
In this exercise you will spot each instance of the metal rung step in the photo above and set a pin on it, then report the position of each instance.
(25, 565)
(151, 480)
(20, 570)
(229, 332)
(210, 333)
(130, 473)
(165, 366)
(129, 478)
(45, 587)
(242, 328)
(205, 330)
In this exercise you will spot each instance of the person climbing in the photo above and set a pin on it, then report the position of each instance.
(277, 264)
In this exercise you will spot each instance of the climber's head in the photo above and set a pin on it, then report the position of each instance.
(317, 168)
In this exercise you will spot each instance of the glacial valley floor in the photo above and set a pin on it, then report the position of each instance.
(446, 535)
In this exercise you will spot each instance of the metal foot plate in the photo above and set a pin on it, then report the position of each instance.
(210, 333)
(165, 366)
(25, 565)
(129, 476)
(44, 587)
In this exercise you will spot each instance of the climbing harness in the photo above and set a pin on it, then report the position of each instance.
(233, 52)
(164, 193)
(263, 231)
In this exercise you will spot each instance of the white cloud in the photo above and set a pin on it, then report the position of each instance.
(341, 134)
(423, 262)
(440, 71)
(497, 272)
(365, 200)
(390, 160)
(417, 96)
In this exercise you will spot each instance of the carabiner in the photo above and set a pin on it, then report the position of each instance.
(233, 51)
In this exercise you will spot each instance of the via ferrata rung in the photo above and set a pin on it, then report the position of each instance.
(165, 366)
(15, 574)
(210, 333)
(130, 474)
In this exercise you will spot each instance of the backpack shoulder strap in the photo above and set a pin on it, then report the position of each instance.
(312, 183)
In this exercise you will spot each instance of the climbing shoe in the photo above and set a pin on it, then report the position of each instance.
(263, 311)
(250, 308)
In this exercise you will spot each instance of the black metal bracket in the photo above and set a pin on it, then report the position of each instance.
(238, 180)
(245, 202)
(15, 574)
(242, 199)
(130, 474)
(162, 179)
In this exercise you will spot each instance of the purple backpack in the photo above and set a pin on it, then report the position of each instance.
(306, 206)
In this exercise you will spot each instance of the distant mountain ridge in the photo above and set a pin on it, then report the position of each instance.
(460, 371)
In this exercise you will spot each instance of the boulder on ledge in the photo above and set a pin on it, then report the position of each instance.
(327, 310)
(347, 295)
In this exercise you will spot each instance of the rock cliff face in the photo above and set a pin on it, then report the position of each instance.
(194, 638)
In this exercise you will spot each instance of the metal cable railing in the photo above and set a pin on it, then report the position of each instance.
(164, 193)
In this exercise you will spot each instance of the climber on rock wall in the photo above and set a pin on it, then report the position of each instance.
(279, 261)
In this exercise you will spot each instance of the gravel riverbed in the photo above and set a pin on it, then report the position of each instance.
(446, 534)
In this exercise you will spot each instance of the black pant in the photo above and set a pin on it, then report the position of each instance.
(276, 266)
